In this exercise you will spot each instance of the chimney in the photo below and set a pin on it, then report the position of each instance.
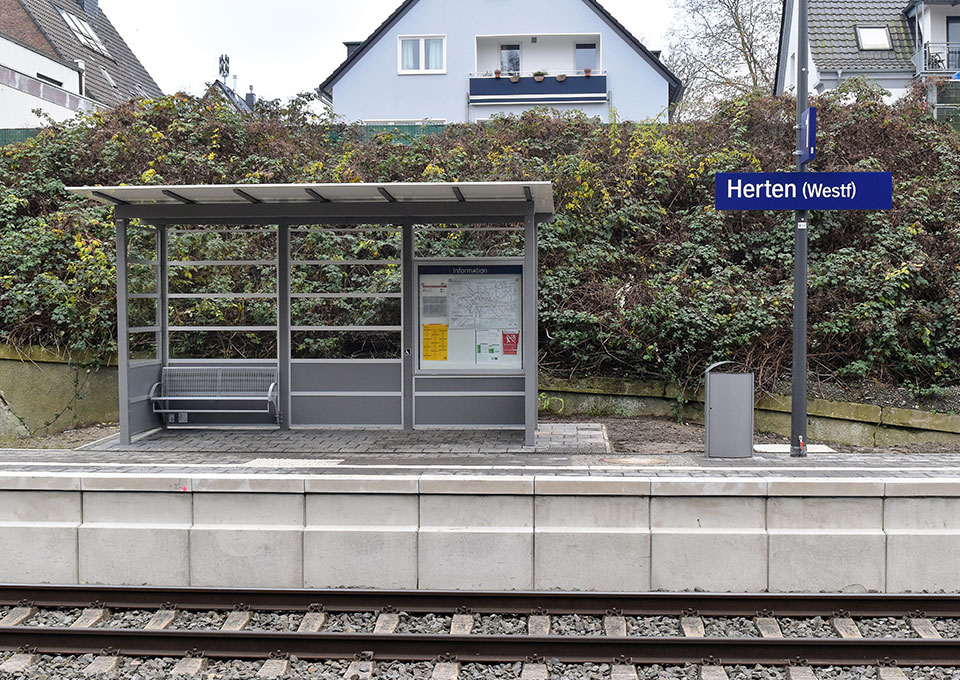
(251, 98)
(81, 65)
(91, 7)
(352, 47)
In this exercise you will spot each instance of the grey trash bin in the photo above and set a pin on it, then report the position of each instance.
(728, 414)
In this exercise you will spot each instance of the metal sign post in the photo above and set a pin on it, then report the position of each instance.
(798, 391)
(802, 191)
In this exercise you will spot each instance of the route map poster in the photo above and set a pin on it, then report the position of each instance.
(470, 317)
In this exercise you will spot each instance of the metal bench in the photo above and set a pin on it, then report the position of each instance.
(185, 389)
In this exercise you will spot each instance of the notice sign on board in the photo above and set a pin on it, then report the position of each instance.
(435, 341)
(470, 317)
(804, 190)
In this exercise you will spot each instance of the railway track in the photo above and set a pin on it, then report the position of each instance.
(623, 631)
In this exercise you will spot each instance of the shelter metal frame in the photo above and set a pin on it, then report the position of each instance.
(387, 207)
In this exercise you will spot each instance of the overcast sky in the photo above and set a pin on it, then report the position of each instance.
(283, 47)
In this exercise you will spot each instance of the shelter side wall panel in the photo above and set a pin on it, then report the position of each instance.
(466, 410)
(140, 379)
(344, 410)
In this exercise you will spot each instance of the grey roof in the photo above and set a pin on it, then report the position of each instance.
(833, 36)
(231, 97)
(538, 193)
(676, 87)
(123, 66)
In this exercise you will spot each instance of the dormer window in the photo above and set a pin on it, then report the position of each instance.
(873, 38)
(422, 54)
(84, 32)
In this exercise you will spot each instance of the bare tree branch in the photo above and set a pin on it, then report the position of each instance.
(721, 49)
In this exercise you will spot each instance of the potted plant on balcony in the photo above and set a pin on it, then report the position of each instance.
(561, 77)
(587, 72)
(515, 78)
(496, 73)
(539, 76)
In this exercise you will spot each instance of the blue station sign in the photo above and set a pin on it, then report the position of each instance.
(804, 191)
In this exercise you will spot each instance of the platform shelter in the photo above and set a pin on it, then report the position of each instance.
(437, 342)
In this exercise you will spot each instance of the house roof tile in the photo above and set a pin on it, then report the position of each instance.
(833, 35)
(122, 65)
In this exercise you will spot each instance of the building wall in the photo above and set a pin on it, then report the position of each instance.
(31, 63)
(18, 24)
(550, 53)
(372, 89)
(16, 109)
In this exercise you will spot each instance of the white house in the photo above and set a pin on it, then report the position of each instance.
(889, 42)
(445, 62)
(63, 56)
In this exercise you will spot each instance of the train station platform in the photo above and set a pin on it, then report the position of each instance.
(475, 510)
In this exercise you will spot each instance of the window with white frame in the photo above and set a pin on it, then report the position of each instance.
(873, 38)
(422, 54)
(84, 32)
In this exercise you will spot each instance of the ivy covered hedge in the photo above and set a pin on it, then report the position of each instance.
(639, 275)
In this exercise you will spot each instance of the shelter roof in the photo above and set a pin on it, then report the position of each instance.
(478, 193)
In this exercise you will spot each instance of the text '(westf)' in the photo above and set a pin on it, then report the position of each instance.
(804, 191)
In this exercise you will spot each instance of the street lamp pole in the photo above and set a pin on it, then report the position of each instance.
(798, 415)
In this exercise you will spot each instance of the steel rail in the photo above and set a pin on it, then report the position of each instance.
(480, 648)
(517, 602)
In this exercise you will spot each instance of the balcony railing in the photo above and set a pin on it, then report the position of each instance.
(552, 88)
(937, 58)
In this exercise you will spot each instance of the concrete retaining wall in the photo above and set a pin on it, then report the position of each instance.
(482, 532)
(37, 386)
(832, 421)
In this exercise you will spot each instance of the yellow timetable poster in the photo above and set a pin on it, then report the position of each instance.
(435, 341)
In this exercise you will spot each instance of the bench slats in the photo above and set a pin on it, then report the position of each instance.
(186, 384)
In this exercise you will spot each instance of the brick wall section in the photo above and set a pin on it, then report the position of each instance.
(19, 25)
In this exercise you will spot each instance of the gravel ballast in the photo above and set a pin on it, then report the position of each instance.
(653, 626)
(729, 626)
(810, 627)
(275, 621)
(127, 618)
(395, 670)
(425, 624)
(190, 620)
(578, 671)
(53, 618)
(755, 673)
(658, 672)
(948, 628)
(886, 627)
(574, 624)
(490, 671)
(357, 622)
(494, 624)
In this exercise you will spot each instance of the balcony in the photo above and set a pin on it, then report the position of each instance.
(937, 59)
(554, 88)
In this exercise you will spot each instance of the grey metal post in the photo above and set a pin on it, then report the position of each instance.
(530, 330)
(408, 307)
(123, 336)
(798, 416)
(163, 293)
(283, 321)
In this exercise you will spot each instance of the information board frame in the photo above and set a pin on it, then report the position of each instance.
(511, 361)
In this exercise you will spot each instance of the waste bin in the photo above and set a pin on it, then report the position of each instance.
(728, 414)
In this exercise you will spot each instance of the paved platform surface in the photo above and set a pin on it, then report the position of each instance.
(563, 448)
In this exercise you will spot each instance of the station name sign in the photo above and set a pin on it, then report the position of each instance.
(804, 191)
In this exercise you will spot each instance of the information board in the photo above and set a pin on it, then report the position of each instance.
(470, 317)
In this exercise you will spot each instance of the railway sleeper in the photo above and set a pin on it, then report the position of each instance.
(190, 665)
